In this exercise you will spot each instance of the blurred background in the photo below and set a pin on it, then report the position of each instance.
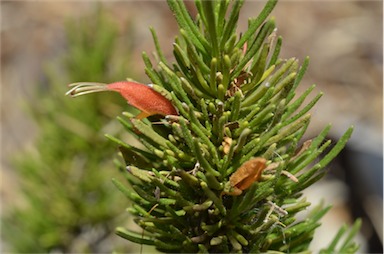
(46, 45)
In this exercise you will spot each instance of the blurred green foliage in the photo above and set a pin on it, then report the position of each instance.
(70, 204)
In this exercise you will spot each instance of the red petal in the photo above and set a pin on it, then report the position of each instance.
(144, 98)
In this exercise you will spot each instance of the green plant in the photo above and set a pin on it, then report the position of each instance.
(225, 173)
(68, 200)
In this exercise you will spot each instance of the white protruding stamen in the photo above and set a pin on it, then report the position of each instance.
(83, 88)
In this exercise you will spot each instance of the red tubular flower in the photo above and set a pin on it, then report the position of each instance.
(138, 95)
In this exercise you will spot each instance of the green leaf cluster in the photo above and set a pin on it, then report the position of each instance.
(236, 100)
(68, 202)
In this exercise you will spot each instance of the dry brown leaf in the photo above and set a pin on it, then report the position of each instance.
(226, 144)
(248, 173)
